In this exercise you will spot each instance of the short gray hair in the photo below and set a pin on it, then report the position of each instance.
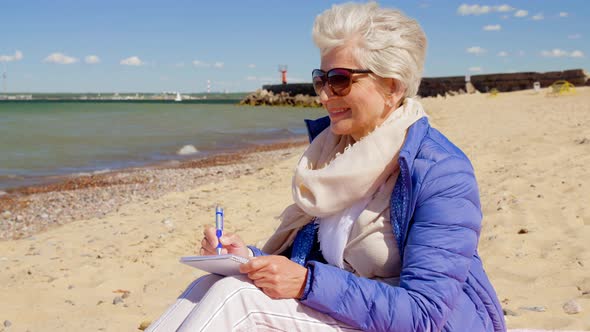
(387, 42)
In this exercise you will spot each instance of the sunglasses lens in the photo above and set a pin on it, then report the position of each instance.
(339, 81)
(318, 80)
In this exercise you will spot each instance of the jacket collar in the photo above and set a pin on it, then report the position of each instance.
(408, 151)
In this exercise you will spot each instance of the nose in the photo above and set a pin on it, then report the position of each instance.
(325, 93)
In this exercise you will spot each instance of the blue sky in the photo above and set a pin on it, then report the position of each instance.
(155, 46)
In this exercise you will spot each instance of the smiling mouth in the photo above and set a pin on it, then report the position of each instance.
(338, 111)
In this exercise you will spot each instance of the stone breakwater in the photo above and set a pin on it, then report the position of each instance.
(281, 94)
(263, 97)
(29, 210)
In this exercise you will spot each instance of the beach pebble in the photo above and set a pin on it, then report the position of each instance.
(7, 323)
(508, 312)
(572, 307)
(6, 214)
(534, 308)
(117, 300)
(2, 193)
(187, 150)
(168, 223)
(144, 325)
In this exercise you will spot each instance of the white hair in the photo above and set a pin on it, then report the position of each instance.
(384, 40)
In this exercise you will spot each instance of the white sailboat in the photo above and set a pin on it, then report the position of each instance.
(178, 97)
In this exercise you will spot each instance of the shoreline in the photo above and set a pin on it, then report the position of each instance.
(530, 153)
(29, 210)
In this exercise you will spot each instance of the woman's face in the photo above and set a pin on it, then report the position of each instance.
(364, 108)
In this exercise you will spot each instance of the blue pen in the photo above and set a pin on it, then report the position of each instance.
(219, 227)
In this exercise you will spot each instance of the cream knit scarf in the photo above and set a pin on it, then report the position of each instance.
(336, 178)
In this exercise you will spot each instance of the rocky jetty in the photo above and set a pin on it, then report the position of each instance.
(434, 86)
(283, 98)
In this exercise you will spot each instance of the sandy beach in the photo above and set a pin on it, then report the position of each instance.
(101, 252)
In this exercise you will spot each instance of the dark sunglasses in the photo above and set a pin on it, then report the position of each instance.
(339, 79)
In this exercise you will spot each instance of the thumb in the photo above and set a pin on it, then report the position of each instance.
(231, 240)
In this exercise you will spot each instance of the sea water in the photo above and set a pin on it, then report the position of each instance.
(40, 140)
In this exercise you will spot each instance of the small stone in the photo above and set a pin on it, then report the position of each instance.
(523, 231)
(508, 312)
(117, 300)
(187, 150)
(572, 307)
(44, 216)
(7, 323)
(534, 308)
(144, 325)
(6, 214)
(168, 223)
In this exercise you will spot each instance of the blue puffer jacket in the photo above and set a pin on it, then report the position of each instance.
(436, 217)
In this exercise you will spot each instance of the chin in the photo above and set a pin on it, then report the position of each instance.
(338, 129)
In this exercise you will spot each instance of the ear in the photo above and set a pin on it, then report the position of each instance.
(396, 92)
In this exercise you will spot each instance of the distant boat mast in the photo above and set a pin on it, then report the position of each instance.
(178, 97)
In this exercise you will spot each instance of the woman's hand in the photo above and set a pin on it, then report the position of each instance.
(277, 276)
(232, 243)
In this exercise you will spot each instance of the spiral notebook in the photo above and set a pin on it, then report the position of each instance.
(226, 265)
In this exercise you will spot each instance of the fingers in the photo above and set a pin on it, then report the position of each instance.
(231, 243)
(231, 240)
(254, 264)
(209, 241)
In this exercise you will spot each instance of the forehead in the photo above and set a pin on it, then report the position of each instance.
(339, 57)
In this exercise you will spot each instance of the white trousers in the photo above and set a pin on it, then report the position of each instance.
(216, 303)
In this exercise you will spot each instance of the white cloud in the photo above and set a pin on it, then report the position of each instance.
(476, 50)
(92, 59)
(475, 69)
(251, 65)
(558, 53)
(132, 61)
(574, 36)
(538, 17)
(577, 54)
(200, 64)
(466, 9)
(60, 58)
(563, 14)
(18, 55)
(502, 53)
(504, 8)
(495, 27)
(521, 13)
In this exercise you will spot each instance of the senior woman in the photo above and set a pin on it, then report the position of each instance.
(383, 232)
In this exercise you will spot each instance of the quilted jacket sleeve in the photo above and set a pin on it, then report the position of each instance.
(440, 244)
